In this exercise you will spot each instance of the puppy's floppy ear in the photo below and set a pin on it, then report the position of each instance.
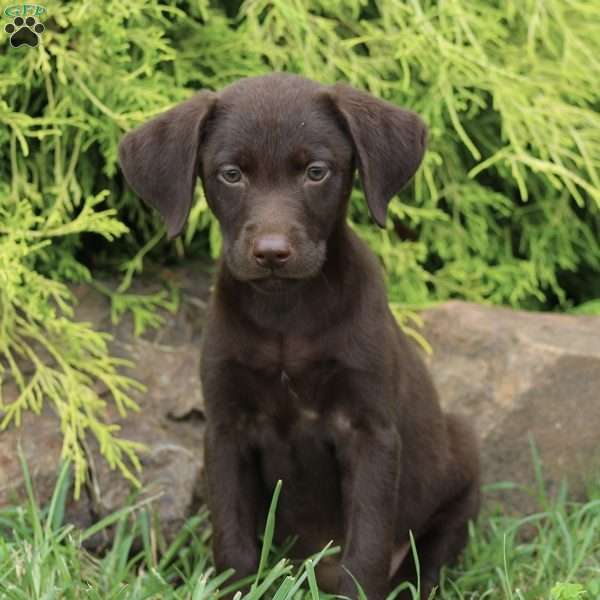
(389, 143)
(160, 159)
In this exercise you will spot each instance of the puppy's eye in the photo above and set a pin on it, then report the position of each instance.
(230, 174)
(317, 171)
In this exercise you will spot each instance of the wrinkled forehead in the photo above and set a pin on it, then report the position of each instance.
(275, 121)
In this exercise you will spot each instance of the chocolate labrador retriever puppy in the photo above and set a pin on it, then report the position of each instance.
(307, 377)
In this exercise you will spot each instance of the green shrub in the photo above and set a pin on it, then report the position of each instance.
(504, 210)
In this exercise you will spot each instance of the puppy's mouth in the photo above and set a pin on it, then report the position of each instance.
(275, 283)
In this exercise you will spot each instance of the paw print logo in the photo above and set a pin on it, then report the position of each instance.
(24, 31)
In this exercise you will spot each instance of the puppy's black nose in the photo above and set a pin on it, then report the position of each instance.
(271, 251)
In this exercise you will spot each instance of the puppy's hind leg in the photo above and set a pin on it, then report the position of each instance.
(445, 535)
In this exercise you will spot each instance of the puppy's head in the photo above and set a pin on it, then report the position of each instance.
(276, 155)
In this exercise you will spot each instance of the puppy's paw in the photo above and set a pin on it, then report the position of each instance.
(374, 590)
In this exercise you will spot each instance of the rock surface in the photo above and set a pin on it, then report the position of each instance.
(517, 375)
(525, 379)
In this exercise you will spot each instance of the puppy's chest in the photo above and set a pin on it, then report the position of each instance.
(289, 381)
(283, 407)
(287, 356)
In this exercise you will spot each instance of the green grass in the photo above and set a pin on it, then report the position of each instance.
(42, 558)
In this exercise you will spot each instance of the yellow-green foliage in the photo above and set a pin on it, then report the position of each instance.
(506, 208)
(46, 354)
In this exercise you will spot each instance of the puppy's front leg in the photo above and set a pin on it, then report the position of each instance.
(370, 465)
(232, 480)
(232, 500)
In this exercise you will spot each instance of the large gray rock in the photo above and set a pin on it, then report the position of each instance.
(525, 379)
(515, 374)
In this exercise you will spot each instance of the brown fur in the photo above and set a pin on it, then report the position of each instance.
(306, 375)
